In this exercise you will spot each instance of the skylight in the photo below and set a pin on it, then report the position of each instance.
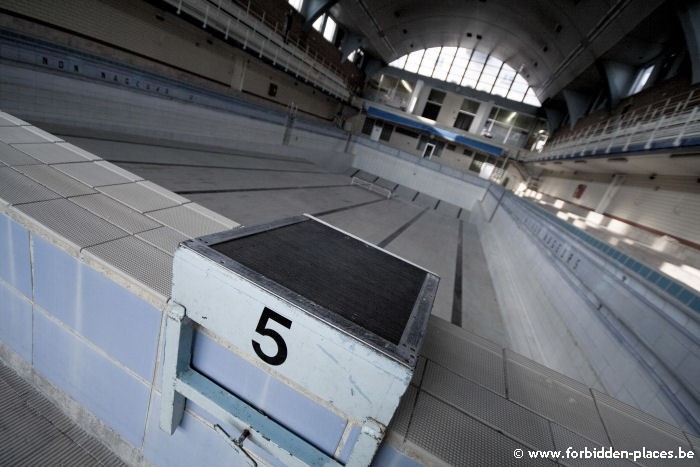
(469, 68)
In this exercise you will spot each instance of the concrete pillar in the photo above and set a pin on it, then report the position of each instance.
(576, 104)
(619, 78)
(414, 96)
(482, 114)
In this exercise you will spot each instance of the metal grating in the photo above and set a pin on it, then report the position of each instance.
(631, 429)
(24, 134)
(92, 174)
(465, 358)
(545, 371)
(72, 222)
(55, 180)
(187, 221)
(488, 407)
(163, 238)
(419, 371)
(402, 416)
(366, 286)
(208, 213)
(118, 170)
(165, 192)
(116, 213)
(139, 197)
(461, 440)
(15, 188)
(550, 397)
(81, 152)
(564, 439)
(49, 153)
(33, 431)
(139, 260)
(13, 157)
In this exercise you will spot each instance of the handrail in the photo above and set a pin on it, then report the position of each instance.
(254, 33)
(626, 134)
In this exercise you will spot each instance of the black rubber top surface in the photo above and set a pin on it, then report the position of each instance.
(342, 274)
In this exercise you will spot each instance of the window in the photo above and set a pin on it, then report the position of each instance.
(470, 68)
(413, 61)
(434, 104)
(508, 127)
(296, 4)
(356, 56)
(436, 96)
(387, 129)
(444, 62)
(466, 114)
(641, 80)
(489, 74)
(427, 65)
(318, 24)
(463, 121)
(329, 29)
(431, 110)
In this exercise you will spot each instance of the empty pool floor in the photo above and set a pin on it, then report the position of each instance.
(258, 188)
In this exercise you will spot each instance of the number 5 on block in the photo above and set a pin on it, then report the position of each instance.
(281, 355)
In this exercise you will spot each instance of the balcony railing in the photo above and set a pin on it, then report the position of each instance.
(265, 39)
(669, 123)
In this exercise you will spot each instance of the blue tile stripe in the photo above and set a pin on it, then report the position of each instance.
(660, 282)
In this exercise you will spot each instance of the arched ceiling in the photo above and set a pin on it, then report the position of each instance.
(551, 43)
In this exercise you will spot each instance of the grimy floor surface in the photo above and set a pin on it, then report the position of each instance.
(258, 188)
(471, 402)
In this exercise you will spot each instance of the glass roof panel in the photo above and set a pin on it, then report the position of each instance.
(399, 62)
(469, 68)
(429, 60)
(518, 89)
(413, 61)
(444, 61)
(531, 98)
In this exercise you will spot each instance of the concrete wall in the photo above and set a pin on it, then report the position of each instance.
(62, 104)
(136, 33)
(667, 204)
(94, 345)
(589, 318)
(404, 169)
